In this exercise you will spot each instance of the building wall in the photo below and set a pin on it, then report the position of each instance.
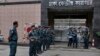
(16, 0)
(96, 22)
(47, 9)
(23, 13)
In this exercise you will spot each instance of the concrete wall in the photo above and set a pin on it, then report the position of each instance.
(23, 13)
(96, 22)
(44, 15)
(45, 6)
(17, 0)
(75, 9)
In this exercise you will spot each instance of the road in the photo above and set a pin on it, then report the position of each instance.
(56, 50)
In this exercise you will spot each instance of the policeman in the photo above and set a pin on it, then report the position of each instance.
(49, 37)
(75, 39)
(33, 41)
(40, 42)
(13, 37)
(44, 38)
(70, 36)
(86, 38)
(52, 36)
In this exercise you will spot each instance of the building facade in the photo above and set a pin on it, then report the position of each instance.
(28, 11)
(55, 12)
(59, 14)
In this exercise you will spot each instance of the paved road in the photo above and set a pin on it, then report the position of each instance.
(57, 50)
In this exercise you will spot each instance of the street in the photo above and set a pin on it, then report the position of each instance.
(56, 50)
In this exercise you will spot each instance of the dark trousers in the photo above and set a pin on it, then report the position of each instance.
(13, 47)
(75, 42)
(49, 41)
(32, 49)
(70, 41)
(39, 46)
(44, 44)
(86, 44)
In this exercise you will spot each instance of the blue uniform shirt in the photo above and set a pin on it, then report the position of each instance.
(13, 34)
(33, 34)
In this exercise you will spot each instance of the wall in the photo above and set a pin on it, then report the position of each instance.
(17, 0)
(96, 22)
(23, 13)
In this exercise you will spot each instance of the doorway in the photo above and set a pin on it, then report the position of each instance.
(61, 20)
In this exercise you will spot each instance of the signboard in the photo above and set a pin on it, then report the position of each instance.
(70, 2)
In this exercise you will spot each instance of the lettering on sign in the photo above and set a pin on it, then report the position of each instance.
(70, 2)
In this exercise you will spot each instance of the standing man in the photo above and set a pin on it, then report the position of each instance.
(79, 36)
(50, 36)
(40, 42)
(33, 38)
(45, 38)
(75, 39)
(70, 36)
(13, 38)
(86, 38)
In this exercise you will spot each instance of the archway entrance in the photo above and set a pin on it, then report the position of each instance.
(61, 20)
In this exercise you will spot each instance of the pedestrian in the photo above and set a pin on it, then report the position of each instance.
(70, 37)
(40, 42)
(79, 36)
(52, 36)
(48, 38)
(75, 39)
(45, 36)
(13, 38)
(33, 41)
(86, 38)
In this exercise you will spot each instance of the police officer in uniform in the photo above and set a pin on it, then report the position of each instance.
(49, 36)
(13, 38)
(52, 35)
(33, 41)
(40, 42)
(86, 38)
(44, 38)
(75, 39)
(70, 36)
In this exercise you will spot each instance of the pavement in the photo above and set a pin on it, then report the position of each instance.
(55, 50)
